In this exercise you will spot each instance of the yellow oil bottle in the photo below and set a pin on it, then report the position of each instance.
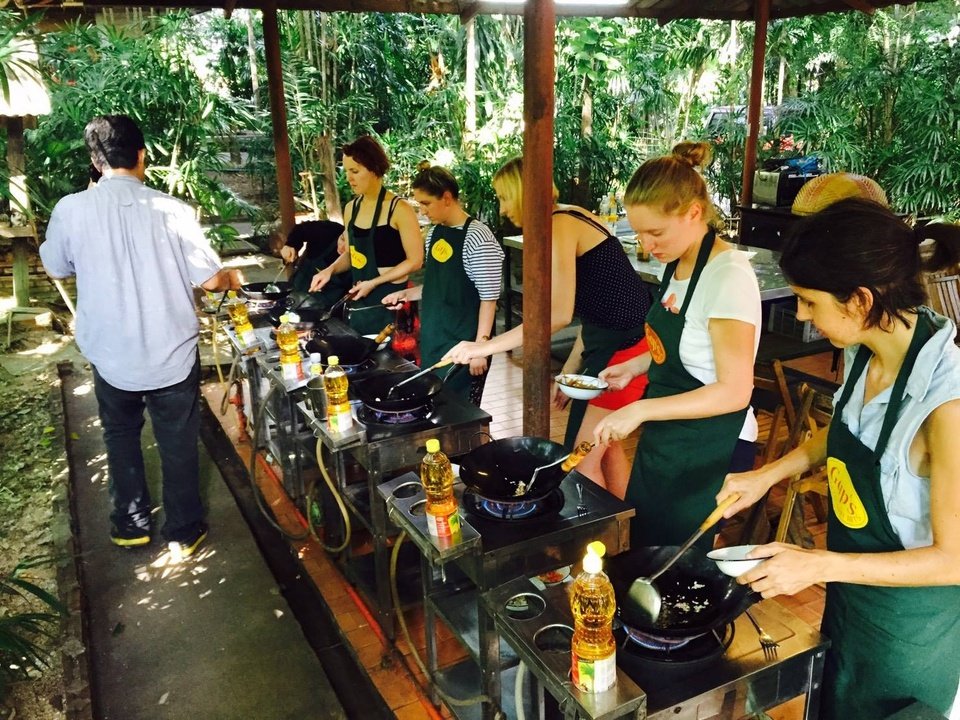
(237, 310)
(436, 474)
(593, 649)
(336, 385)
(289, 343)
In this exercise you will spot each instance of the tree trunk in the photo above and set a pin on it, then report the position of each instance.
(470, 89)
(580, 192)
(323, 58)
(781, 80)
(252, 58)
(328, 174)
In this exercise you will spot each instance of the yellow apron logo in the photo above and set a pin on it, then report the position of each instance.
(846, 503)
(357, 259)
(441, 251)
(657, 351)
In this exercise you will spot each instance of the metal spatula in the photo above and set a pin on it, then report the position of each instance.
(442, 363)
(642, 591)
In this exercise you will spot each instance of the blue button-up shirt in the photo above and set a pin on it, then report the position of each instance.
(136, 253)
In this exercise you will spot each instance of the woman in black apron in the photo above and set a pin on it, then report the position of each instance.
(461, 284)
(892, 563)
(310, 247)
(703, 334)
(593, 278)
(385, 245)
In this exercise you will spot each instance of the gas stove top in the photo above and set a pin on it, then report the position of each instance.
(721, 674)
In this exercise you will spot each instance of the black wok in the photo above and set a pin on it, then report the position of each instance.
(258, 291)
(377, 390)
(495, 469)
(351, 349)
(711, 598)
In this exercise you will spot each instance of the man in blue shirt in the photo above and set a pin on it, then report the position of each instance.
(137, 253)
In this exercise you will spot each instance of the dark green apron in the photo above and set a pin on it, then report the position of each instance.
(599, 345)
(680, 464)
(368, 315)
(450, 304)
(891, 645)
(332, 291)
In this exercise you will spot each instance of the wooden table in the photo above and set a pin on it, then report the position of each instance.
(773, 288)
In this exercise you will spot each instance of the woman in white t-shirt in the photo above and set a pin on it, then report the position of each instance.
(703, 336)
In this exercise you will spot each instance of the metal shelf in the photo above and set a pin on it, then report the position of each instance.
(458, 609)
(463, 681)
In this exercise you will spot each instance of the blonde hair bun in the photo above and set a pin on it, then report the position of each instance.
(694, 154)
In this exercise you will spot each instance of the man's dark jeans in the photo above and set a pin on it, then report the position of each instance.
(175, 414)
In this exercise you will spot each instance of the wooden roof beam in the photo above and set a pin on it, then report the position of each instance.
(861, 5)
(469, 12)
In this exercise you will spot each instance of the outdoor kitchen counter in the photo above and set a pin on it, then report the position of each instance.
(742, 681)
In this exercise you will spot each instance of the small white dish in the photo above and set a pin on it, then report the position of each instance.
(580, 387)
(733, 561)
(382, 345)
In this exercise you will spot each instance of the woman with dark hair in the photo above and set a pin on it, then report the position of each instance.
(703, 336)
(892, 563)
(383, 235)
(592, 276)
(462, 281)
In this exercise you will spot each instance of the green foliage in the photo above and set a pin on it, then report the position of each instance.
(146, 72)
(22, 633)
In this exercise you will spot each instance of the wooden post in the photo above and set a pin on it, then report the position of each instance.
(470, 89)
(761, 19)
(19, 205)
(278, 114)
(539, 30)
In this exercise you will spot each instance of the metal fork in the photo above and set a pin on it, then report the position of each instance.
(767, 642)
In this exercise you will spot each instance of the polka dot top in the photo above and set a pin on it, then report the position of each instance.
(609, 294)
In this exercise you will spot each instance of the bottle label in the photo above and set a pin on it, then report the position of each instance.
(249, 338)
(444, 526)
(292, 370)
(339, 421)
(595, 676)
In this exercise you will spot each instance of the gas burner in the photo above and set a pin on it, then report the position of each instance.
(649, 647)
(364, 366)
(368, 415)
(514, 511)
(258, 307)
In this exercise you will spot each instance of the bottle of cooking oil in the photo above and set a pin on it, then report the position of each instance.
(237, 310)
(289, 343)
(336, 385)
(436, 474)
(574, 458)
(593, 649)
(610, 213)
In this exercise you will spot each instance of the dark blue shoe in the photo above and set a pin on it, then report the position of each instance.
(187, 546)
(130, 536)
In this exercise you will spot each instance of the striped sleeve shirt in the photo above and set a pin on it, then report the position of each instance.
(482, 259)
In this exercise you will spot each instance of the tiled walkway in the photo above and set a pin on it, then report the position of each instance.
(392, 669)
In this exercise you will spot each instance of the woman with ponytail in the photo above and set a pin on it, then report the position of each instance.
(892, 563)
(703, 331)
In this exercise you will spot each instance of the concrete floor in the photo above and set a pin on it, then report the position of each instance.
(211, 637)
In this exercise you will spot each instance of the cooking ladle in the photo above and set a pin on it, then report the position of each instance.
(569, 462)
(642, 591)
(443, 362)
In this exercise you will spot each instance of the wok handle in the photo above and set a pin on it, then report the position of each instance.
(384, 334)
(715, 516)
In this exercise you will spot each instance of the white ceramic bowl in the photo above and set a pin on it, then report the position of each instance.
(581, 387)
(382, 345)
(733, 561)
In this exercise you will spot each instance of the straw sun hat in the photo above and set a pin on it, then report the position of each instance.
(824, 190)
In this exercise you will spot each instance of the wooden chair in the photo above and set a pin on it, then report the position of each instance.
(774, 426)
(776, 418)
(943, 293)
(815, 412)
